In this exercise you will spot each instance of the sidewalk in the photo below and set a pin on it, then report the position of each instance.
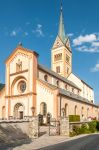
(45, 141)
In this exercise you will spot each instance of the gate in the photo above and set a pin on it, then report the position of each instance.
(54, 128)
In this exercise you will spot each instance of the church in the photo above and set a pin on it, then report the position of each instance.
(31, 89)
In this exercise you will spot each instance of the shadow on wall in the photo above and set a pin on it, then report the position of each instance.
(12, 136)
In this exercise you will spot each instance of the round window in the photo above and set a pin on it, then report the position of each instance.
(22, 86)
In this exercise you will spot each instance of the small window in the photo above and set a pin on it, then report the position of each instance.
(78, 92)
(19, 66)
(46, 77)
(67, 70)
(73, 90)
(66, 86)
(57, 82)
(58, 69)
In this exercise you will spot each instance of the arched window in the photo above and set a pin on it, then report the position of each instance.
(19, 66)
(57, 82)
(82, 112)
(66, 110)
(75, 110)
(46, 77)
(43, 108)
(66, 86)
(87, 113)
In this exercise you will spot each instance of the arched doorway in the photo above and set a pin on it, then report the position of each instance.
(43, 108)
(18, 111)
(43, 111)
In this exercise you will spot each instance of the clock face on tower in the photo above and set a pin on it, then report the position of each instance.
(58, 43)
(22, 86)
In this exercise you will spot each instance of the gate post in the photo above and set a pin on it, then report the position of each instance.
(64, 126)
(34, 128)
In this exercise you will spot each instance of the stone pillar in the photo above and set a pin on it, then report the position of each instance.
(34, 128)
(64, 126)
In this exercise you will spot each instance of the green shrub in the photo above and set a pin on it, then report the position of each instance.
(92, 126)
(84, 128)
(74, 118)
(76, 130)
(97, 125)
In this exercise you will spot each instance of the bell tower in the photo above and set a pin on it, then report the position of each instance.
(61, 54)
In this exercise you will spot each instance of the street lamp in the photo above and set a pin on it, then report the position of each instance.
(33, 110)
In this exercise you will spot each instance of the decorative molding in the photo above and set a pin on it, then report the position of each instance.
(20, 95)
(16, 73)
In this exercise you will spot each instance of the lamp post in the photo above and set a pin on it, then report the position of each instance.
(33, 110)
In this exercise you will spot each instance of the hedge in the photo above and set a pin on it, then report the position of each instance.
(74, 118)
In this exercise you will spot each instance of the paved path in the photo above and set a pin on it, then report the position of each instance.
(74, 143)
(81, 142)
(90, 142)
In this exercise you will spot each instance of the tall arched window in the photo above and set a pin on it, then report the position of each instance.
(19, 66)
(66, 110)
(82, 111)
(43, 108)
(87, 113)
(75, 110)
(46, 77)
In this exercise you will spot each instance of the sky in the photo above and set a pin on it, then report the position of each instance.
(35, 24)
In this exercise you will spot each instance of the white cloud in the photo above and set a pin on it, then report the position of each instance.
(88, 49)
(95, 44)
(13, 33)
(70, 34)
(38, 31)
(84, 39)
(96, 68)
(87, 43)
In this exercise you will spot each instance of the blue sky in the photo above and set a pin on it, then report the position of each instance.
(35, 24)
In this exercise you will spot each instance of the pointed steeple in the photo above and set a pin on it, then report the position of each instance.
(61, 32)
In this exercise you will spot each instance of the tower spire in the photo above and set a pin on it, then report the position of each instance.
(61, 32)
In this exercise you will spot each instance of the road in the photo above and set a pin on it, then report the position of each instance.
(90, 142)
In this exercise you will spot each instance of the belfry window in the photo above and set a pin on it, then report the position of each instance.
(58, 57)
(67, 58)
(67, 70)
(19, 66)
(58, 69)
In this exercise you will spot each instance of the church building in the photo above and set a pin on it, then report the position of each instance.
(31, 89)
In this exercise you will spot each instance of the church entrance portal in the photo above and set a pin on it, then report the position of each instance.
(18, 111)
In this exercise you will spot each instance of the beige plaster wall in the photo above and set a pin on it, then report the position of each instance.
(2, 101)
(87, 111)
(86, 91)
(44, 94)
